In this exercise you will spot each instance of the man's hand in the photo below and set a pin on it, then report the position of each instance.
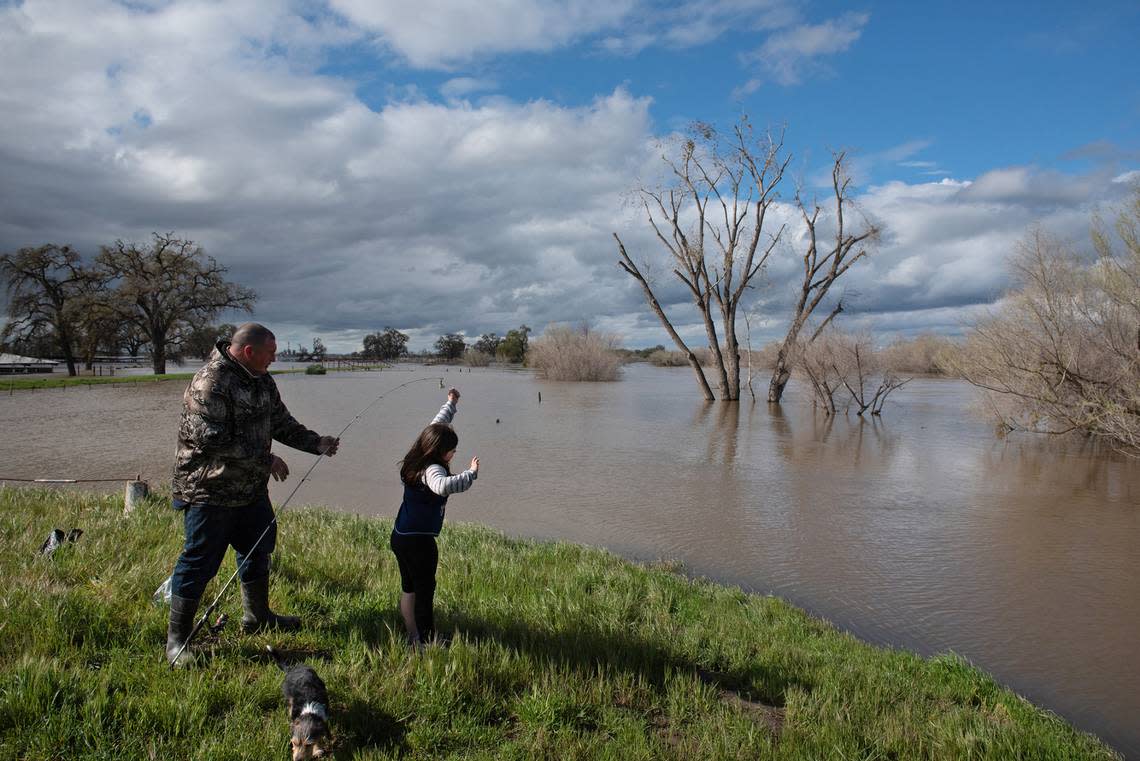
(277, 468)
(328, 445)
(474, 464)
(453, 395)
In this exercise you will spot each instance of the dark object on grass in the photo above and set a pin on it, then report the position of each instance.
(219, 624)
(54, 541)
(308, 701)
(57, 539)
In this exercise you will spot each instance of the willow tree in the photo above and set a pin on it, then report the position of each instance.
(169, 290)
(1061, 352)
(709, 218)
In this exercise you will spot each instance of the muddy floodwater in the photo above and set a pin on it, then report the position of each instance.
(922, 530)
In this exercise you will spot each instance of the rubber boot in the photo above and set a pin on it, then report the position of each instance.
(182, 610)
(256, 614)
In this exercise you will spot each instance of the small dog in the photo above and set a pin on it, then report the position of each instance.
(308, 703)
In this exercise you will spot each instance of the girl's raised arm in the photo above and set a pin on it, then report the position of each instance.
(449, 408)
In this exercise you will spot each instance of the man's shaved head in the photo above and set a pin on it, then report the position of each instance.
(252, 334)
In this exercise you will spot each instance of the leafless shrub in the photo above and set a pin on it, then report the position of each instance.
(575, 354)
(1062, 353)
(668, 358)
(475, 358)
(823, 366)
(926, 354)
(665, 358)
(867, 377)
(837, 361)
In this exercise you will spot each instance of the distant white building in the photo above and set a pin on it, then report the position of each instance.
(12, 363)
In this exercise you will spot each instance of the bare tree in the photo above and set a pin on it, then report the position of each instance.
(46, 286)
(710, 222)
(822, 267)
(169, 290)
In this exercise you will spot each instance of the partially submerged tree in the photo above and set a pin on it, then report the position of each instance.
(488, 343)
(821, 363)
(824, 262)
(388, 344)
(710, 220)
(450, 346)
(514, 345)
(1062, 352)
(46, 288)
(868, 379)
(168, 290)
(833, 361)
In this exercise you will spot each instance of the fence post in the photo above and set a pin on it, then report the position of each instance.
(136, 492)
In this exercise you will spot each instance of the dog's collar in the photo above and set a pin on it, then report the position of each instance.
(316, 709)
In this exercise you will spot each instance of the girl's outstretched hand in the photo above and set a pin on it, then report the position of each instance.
(453, 395)
(475, 464)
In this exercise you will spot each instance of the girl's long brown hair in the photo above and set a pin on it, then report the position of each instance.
(432, 444)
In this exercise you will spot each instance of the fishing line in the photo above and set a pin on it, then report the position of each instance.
(249, 553)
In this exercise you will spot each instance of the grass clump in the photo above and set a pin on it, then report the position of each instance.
(559, 651)
(317, 369)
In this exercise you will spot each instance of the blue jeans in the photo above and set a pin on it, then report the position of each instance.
(210, 530)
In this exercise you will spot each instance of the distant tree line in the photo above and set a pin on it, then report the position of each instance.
(161, 297)
(390, 344)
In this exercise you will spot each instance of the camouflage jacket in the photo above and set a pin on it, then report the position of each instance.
(229, 419)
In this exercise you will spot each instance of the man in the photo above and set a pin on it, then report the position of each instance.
(231, 412)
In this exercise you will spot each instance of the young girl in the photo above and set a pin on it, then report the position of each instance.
(427, 484)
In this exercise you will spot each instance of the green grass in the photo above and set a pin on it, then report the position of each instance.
(30, 384)
(560, 651)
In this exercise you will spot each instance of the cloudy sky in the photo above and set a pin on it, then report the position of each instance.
(461, 166)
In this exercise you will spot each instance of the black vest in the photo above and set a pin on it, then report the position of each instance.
(421, 512)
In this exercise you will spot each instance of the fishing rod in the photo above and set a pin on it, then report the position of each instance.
(249, 554)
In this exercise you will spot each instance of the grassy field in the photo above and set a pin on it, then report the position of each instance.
(559, 651)
(8, 384)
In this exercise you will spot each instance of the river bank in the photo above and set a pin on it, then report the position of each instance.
(560, 651)
(11, 384)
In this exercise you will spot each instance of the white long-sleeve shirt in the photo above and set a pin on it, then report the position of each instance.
(435, 476)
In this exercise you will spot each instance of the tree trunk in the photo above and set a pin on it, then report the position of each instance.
(628, 265)
(718, 357)
(68, 354)
(783, 369)
(780, 375)
(702, 381)
(732, 355)
(158, 357)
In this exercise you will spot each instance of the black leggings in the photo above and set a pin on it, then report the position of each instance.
(418, 557)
